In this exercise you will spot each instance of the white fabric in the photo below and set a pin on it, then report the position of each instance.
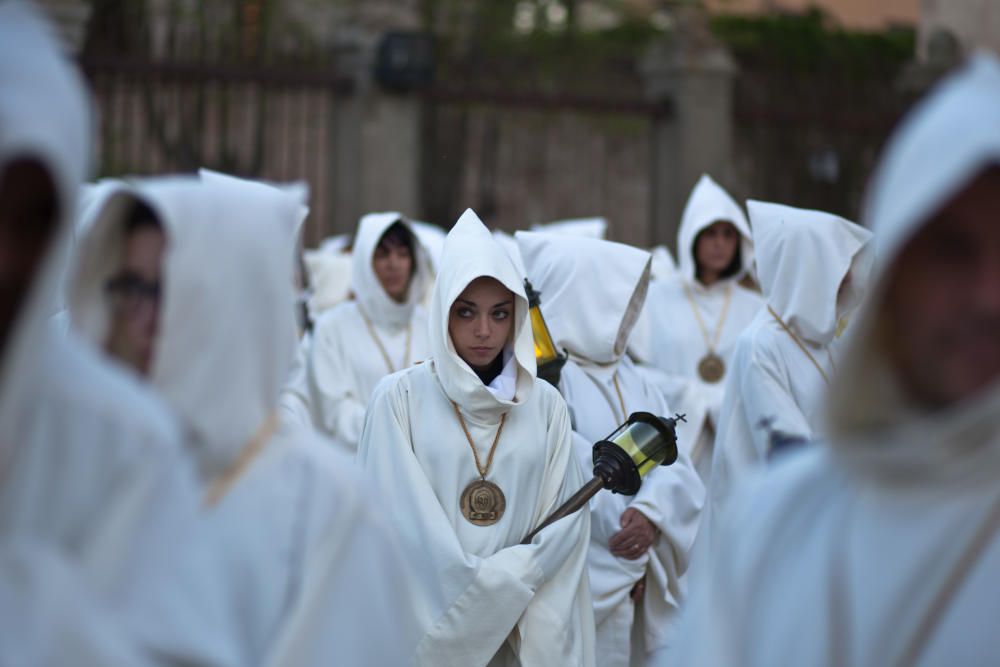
(94, 484)
(484, 598)
(590, 290)
(849, 542)
(58, 620)
(329, 279)
(678, 343)
(803, 257)
(591, 228)
(227, 271)
(345, 362)
(296, 400)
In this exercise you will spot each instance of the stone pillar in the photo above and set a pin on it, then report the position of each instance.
(376, 138)
(692, 75)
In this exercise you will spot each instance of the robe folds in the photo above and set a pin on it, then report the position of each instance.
(591, 292)
(880, 544)
(483, 598)
(345, 360)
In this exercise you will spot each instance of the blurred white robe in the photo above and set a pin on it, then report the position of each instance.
(840, 553)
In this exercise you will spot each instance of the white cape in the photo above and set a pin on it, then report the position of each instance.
(591, 291)
(837, 555)
(494, 601)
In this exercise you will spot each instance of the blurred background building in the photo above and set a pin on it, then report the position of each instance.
(526, 110)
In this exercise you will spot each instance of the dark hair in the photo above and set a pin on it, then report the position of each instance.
(734, 267)
(398, 235)
(140, 217)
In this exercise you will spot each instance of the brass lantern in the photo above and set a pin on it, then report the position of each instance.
(622, 460)
(547, 357)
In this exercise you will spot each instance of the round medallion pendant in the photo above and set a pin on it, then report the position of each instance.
(482, 503)
(711, 368)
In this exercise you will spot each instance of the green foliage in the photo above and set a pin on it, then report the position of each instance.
(809, 44)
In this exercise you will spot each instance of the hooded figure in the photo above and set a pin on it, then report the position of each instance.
(358, 342)
(279, 503)
(813, 269)
(697, 314)
(591, 292)
(94, 489)
(882, 546)
(462, 505)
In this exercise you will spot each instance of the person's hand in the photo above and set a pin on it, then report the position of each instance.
(635, 537)
(638, 590)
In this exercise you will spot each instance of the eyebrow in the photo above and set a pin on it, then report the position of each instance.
(476, 305)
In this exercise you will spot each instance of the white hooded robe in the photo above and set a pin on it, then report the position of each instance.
(803, 257)
(93, 487)
(486, 598)
(677, 343)
(345, 362)
(591, 292)
(838, 554)
(292, 535)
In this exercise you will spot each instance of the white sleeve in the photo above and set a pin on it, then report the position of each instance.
(340, 411)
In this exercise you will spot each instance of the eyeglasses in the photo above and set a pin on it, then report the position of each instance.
(128, 292)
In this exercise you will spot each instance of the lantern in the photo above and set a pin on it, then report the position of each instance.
(547, 357)
(622, 459)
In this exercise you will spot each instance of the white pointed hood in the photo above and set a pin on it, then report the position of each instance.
(470, 252)
(371, 296)
(803, 257)
(945, 142)
(44, 116)
(708, 204)
(223, 350)
(592, 292)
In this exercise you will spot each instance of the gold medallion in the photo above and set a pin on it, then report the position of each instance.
(482, 503)
(711, 368)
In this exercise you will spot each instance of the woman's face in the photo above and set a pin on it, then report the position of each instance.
(393, 265)
(715, 247)
(480, 322)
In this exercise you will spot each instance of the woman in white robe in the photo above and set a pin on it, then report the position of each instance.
(427, 439)
(696, 315)
(881, 546)
(284, 512)
(359, 342)
(94, 490)
(813, 268)
(591, 293)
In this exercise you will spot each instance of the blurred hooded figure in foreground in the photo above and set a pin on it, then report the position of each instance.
(94, 488)
(882, 547)
(189, 282)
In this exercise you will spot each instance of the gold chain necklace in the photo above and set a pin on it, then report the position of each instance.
(801, 345)
(711, 367)
(482, 502)
(221, 484)
(381, 347)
